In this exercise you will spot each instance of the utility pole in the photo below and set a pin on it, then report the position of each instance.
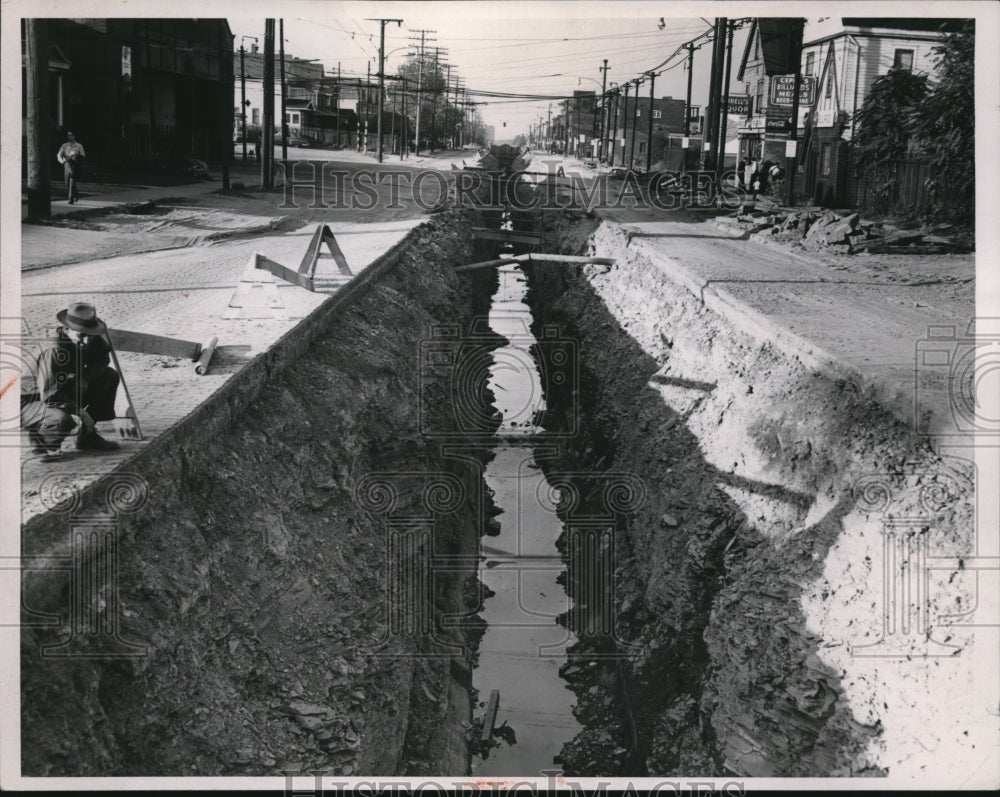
(635, 124)
(420, 73)
(444, 110)
(718, 62)
(337, 119)
(724, 126)
(267, 133)
(368, 88)
(649, 144)
(614, 125)
(625, 121)
(404, 122)
(243, 97)
(548, 128)
(226, 89)
(791, 161)
(690, 67)
(36, 47)
(604, 109)
(284, 116)
(381, 74)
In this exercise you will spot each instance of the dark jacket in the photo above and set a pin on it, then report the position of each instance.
(62, 368)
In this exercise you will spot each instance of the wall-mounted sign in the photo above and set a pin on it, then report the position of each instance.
(126, 62)
(777, 125)
(826, 118)
(783, 90)
(740, 105)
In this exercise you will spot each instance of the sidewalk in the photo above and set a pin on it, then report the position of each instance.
(858, 318)
(181, 293)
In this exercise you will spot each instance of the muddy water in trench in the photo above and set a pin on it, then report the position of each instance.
(523, 647)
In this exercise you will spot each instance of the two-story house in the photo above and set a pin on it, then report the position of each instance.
(841, 58)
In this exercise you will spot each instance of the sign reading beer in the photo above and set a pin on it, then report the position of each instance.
(739, 105)
(783, 90)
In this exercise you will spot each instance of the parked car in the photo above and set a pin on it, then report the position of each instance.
(293, 140)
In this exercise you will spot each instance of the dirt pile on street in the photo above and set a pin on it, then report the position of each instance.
(258, 578)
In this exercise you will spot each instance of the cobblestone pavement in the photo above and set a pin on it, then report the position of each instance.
(181, 293)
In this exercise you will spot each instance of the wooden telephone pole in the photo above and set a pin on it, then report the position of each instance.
(36, 46)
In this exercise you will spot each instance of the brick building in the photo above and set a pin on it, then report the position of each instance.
(141, 92)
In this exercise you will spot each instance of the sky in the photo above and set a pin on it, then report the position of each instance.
(545, 48)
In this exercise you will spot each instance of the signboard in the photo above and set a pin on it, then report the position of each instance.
(126, 62)
(778, 125)
(826, 118)
(740, 105)
(783, 90)
(790, 149)
(583, 138)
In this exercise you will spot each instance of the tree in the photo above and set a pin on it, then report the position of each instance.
(886, 125)
(945, 125)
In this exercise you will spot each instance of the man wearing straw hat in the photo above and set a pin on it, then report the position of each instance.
(73, 377)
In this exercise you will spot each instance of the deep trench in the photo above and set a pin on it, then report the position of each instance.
(286, 520)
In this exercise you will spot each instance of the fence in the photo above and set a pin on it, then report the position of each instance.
(906, 188)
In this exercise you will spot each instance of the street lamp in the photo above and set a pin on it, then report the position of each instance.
(243, 93)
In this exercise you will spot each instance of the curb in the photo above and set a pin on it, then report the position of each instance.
(892, 397)
(44, 537)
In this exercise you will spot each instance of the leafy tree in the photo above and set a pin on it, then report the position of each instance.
(945, 125)
(886, 124)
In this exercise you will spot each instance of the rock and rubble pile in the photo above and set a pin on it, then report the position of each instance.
(816, 229)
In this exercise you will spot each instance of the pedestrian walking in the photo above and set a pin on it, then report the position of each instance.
(73, 385)
(71, 155)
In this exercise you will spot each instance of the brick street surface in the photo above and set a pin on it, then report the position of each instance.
(181, 293)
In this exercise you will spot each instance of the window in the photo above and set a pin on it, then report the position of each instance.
(292, 117)
(810, 62)
(642, 147)
(827, 159)
(759, 105)
(256, 116)
(637, 112)
(903, 60)
(829, 86)
(657, 114)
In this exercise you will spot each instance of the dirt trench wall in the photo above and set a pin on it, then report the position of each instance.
(752, 571)
(269, 615)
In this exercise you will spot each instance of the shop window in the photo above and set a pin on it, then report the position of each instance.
(903, 60)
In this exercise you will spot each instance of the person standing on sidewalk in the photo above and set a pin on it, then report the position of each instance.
(73, 377)
(71, 156)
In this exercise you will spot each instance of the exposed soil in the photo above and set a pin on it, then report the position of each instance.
(259, 573)
(749, 577)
